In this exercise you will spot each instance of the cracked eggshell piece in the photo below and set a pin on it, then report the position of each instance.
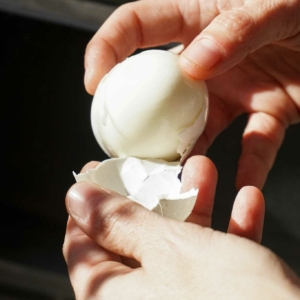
(152, 183)
(146, 107)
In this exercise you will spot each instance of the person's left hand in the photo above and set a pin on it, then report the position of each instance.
(104, 227)
(250, 60)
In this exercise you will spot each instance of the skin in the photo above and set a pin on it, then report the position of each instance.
(177, 260)
(250, 60)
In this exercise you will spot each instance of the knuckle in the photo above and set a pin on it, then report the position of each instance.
(238, 23)
(129, 30)
(112, 220)
(292, 42)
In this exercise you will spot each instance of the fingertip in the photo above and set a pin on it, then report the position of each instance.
(196, 169)
(248, 212)
(250, 194)
(200, 57)
(200, 173)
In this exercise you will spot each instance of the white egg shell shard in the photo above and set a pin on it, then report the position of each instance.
(152, 183)
(146, 107)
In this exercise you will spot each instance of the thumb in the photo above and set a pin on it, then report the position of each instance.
(116, 223)
(233, 34)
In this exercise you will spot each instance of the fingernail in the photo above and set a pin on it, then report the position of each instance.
(82, 199)
(203, 52)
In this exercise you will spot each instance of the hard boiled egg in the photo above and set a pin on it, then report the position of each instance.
(147, 107)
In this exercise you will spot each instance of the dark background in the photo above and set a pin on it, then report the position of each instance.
(46, 134)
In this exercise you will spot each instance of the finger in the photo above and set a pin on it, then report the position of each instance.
(142, 24)
(248, 212)
(199, 172)
(261, 140)
(115, 222)
(79, 249)
(235, 33)
(94, 270)
(83, 257)
(90, 165)
(132, 26)
(125, 260)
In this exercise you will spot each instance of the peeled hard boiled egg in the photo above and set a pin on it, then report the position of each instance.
(146, 107)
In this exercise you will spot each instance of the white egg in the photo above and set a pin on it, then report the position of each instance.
(146, 107)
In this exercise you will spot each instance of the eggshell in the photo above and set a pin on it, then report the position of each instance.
(152, 183)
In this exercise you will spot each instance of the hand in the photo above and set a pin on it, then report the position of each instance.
(178, 260)
(249, 49)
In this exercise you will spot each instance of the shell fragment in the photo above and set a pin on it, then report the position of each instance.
(152, 183)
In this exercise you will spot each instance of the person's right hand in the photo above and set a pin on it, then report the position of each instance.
(177, 260)
(248, 51)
